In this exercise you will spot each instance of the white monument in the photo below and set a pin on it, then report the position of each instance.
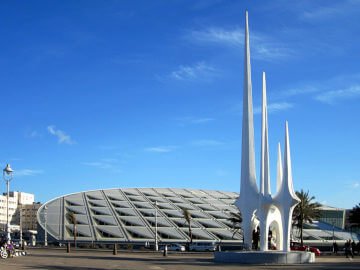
(258, 207)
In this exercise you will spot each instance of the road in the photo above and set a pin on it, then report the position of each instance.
(95, 259)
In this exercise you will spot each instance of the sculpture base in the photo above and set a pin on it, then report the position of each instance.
(268, 257)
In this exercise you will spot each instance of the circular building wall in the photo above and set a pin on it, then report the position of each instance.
(131, 215)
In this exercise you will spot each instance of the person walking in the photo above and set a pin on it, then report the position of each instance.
(353, 248)
(347, 249)
(256, 237)
(335, 248)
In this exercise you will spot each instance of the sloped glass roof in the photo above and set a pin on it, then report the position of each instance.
(131, 215)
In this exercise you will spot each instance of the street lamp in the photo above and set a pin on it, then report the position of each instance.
(7, 175)
(21, 231)
(156, 235)
(45, 217)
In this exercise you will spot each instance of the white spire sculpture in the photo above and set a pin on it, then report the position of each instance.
(279, 170)
(260, 205)
(249, 194)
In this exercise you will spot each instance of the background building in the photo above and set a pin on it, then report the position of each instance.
(333, 216)
(22, 214)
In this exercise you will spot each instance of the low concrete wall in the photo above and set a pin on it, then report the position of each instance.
(269, 257)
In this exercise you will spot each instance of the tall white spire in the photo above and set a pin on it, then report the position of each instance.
(264, 165)
(248, 175)
(279, 170)
(287, 170)
(286, 199)
(249, 194)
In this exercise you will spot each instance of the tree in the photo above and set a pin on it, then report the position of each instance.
(305, 211)
(187, 216)
(72, 219)
(236, 220)
(354, 217)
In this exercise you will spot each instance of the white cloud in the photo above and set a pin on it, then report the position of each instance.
(320, 13)
(198, 71)
(160, 149)
(201, 120)
(105, 163)
(28, 172)
(275, 107)
(334, 95)
(352, 185)
(234, 37)
(33, 134)
(262, 47)
(344, 7)
(356, 185)
(194, 120)
(97, 164)
(61, 135)
(207, 142)
(300, 91)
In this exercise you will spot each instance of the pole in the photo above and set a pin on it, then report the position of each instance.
(7, 175)
(115, 249)
(156, 235)
(45, 217)
(21, 232)
(8, 236)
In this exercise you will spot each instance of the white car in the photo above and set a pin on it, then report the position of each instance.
(202, 247)
(174, 247)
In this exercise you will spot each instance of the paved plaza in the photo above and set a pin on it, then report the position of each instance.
(82, 259)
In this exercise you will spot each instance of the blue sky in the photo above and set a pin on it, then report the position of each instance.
(106, 94)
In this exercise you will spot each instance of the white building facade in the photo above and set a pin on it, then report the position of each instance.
(16, 200)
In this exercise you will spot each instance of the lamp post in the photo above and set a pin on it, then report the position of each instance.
(7, 175)
(45, 217)
(156, 235)
(21, 232)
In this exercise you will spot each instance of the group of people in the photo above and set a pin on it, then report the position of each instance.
(256, 239)
(350, 248)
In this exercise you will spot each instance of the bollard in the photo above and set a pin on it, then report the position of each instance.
(22, 245)
(68, 247)
(165, 251)
(115, 249)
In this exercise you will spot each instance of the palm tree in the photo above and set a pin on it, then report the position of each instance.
(187, 216)
(72, 219)
(236, 220)
(305, 211)
(354, 217)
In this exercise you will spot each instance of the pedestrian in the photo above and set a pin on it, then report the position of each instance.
(353, 248)
(256, 237)
(335, 248)
(269, 239)
(347, 249)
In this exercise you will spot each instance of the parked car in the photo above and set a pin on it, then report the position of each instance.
(173, 247)
(202, 247)
(298, 246)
